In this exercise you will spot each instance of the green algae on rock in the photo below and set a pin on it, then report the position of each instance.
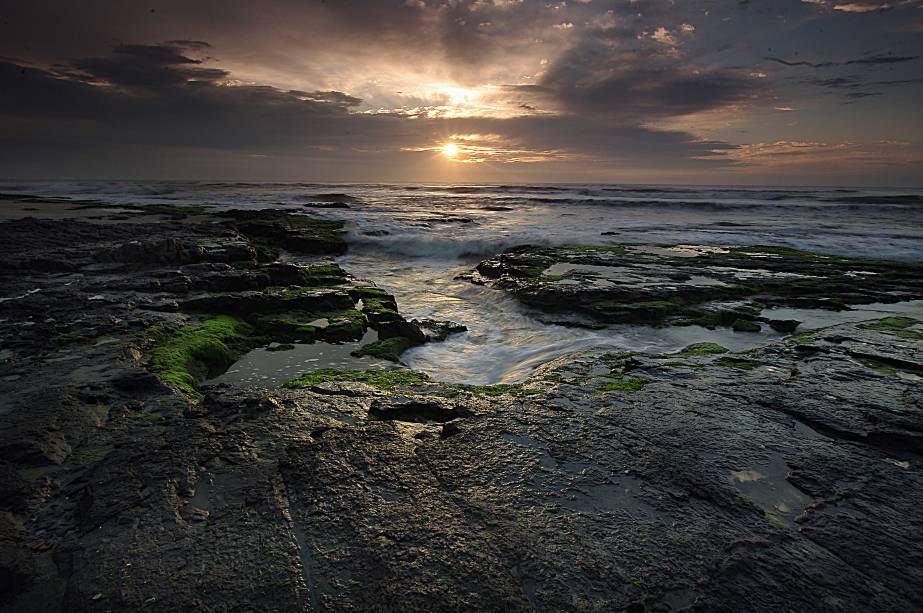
(630, 384)
(744, 325)
(703, 349)
(184, 356)
(687, 284)
(785, 326)
(389, 349)
(297, 233)
(498, 389)
(904, 327)
(382, 379)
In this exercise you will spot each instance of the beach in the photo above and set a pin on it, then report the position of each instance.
(380, 402)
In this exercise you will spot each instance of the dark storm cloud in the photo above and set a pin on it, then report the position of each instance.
(855, 87)
(155, 54)
(189, 44)
(155, 96)
(597, 137)
(626, 76)
(837, 82)
(643, 94)
(874, 59)
(466, 35)
(151, 83)
(146, 65)
(884, 59)
(801, 63)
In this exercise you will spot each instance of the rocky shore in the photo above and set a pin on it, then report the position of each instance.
(692, 284)
(782, 478)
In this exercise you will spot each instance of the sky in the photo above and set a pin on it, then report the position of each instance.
(784, 92)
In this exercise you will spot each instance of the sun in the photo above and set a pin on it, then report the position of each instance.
(450, 150)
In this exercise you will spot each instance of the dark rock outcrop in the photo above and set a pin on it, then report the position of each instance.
(688, 284)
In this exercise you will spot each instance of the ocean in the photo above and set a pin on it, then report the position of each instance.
(414, 239)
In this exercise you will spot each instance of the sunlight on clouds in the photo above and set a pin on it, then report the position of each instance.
(458, 96)
(784, 153)
(481, 148)
(442, 101)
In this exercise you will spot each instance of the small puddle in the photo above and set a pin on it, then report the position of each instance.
(314, 582)
(271, 368)
(684, 251)
(821, 318)
(565, 267)
(624, 274)
(604, 493)
(544, 459)
(758, 273)
(767, 487)
(589, 488)
(203, 491)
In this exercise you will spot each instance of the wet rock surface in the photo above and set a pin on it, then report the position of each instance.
(784, 478)
(692, 284)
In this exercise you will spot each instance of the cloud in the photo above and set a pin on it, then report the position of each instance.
(884, 59)
(162, 98)
(189, 44)
(810, 155)
(788, 151)
(862, 7)
(779, 60)
(664, 37)
(146, 65)
(888, 58)
(632, 83)
(854, 87)
(857, 7)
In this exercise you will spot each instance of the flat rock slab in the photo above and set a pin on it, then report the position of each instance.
(686, 284)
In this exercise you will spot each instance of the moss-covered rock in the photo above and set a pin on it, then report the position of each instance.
(388, 349)
(380, 308)
(877, 365)
(322, 275)
(745, 325)
(635, 312)
(186, 355)
(293, 326)
(499, 389)
(297, 233)
(438, 329)
(903, 327)
(253, 304)
(613, 249)
(786, 326)
(691, 285)
(344, 326)
(703, 349)
(382, 379)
